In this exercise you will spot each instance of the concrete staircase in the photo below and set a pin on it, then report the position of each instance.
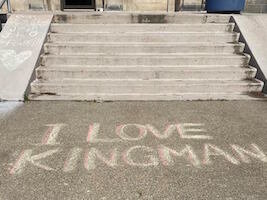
(122, 56)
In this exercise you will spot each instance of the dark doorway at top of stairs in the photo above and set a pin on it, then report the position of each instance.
(78, 4)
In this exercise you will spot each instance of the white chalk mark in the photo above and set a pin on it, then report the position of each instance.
(26, 157)
(186, 128)
(92, 136)
(212, 150)
(169, 131)
(11, 60)
(92, 154)
(72, 159)
(50, 136)
(152, 159)
(255, 153)
(188, 153)
(124, 136)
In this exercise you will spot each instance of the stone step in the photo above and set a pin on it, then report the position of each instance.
(127, 18)
(126, 28)
(99, 97)
(157, 37)
(145, 72)
(114, 48)
(153, 86)
(144, 59)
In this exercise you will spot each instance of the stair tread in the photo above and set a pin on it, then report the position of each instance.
(143, 25)
(123, 82)
(145, 33)
(143, 44)
(147, 96)
(145, 68)
(151, 55)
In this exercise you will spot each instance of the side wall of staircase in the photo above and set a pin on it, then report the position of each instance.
(143, 57)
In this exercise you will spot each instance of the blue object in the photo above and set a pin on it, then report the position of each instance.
(225, 5)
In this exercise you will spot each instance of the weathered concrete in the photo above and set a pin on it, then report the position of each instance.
(254, 30)
(133, 156)
(20, 46)
(79, 43)
(255, 6)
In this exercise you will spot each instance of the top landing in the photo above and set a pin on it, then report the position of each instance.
(138, 17)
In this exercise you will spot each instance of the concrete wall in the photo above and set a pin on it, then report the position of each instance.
(134, 5)
(256, 6)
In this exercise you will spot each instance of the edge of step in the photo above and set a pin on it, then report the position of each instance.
(149, 97)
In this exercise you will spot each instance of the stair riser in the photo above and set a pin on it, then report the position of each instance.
(116, 60)
(157, 88)
(113, 49)
(129, 18)
(144, 97)
(71, 28)
(159, 38)
(203, 75)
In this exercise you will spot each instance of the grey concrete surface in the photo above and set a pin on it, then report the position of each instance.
(42, 161)
(253, 27)
(21, 42)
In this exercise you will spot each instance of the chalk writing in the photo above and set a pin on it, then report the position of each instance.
(166, 153)
(134, 154)
(93, 153)
(51, 134)
(11, 60)
(26, 157)
(147, 152)
(72, 159)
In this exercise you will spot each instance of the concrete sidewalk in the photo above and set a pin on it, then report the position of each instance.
(134, 150)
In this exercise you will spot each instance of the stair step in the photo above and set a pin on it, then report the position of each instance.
(140, 72)
(146, 97)
(143, 59)
(115, 48)
(143, 56)
(84, 86)
(158, 37)
(126, 28)
(131, 18)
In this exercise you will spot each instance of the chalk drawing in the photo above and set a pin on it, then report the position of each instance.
(24, 31)
(186, 128)
(169, 131)
(92, 154)
(11, 60)
(50, 136)
(92, 136)
(137, 155)
(255, 153)
(152, 159)
(26, 157)
(212, 150)
(72, 159)
(124, 136)
(187, 152)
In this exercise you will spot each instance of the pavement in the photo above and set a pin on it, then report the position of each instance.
(134, 150)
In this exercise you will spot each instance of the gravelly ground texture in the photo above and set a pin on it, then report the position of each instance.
(134, 150)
